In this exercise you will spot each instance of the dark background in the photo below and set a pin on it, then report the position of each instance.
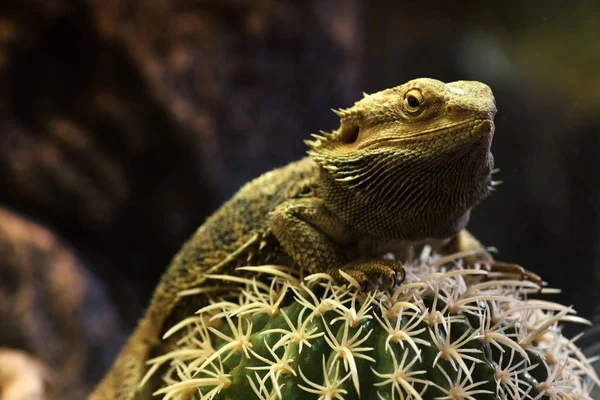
(123, 124)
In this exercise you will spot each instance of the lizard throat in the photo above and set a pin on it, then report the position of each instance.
(421, 190)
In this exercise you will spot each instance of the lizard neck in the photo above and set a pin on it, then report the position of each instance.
(401, 195)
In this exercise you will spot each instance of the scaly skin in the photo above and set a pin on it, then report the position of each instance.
(405, 166)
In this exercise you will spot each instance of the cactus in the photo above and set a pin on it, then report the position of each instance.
(446, 332)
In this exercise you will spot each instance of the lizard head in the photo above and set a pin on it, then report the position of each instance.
(419, 151)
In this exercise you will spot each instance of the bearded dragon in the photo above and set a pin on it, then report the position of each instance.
(405, 166)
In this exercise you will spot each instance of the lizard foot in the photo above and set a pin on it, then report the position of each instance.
(502, 269)
(376, 272)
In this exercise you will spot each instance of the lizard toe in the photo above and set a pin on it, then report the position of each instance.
(350, 275)
(502, 270)
(378, 273)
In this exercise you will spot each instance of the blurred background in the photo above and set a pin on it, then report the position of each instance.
(124, 123)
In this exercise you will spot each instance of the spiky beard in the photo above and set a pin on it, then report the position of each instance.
(407, 193)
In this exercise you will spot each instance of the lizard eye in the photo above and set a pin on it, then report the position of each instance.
(413, 100)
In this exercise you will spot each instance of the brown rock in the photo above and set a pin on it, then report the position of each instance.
(52, 309)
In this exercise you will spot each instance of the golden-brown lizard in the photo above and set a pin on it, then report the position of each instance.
(405, 166)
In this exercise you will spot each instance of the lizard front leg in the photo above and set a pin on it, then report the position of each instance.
(314, 238)
(465, 241)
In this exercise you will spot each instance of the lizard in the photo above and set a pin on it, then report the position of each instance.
(406, 166)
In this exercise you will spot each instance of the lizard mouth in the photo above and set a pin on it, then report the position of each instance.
(475, 127)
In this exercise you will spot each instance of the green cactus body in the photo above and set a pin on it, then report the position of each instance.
(444, 333)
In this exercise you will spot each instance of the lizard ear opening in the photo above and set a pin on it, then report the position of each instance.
(349, 133)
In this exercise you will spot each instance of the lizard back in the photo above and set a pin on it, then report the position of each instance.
(236, 234)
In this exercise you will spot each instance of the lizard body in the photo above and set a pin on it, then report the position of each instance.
(406, 165)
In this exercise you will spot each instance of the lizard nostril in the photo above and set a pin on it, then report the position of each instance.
(449, 110)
